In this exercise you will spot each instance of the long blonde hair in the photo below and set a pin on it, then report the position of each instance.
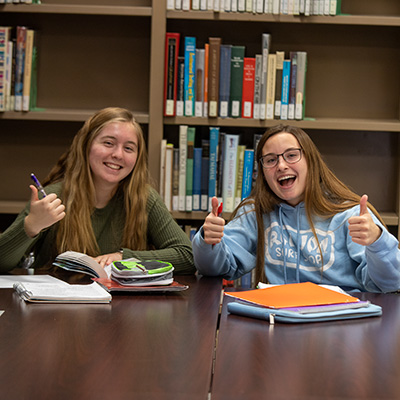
(75, 231)
(325, 195)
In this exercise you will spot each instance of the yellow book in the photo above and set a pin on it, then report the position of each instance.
(26, 91)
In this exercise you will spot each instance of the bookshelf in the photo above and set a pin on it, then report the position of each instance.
(104, 53)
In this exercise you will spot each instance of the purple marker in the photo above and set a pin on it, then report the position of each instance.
(38, 185)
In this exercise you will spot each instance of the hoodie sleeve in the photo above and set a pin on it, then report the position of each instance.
(379, 263)
(235, 255)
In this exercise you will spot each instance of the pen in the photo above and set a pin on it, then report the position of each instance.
(38, 185)
(219, 212)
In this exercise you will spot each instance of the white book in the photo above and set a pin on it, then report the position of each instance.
(203, 5)
(210, 5)
(333, 6)
(217, 5)
(182, 166)
(195, 5)
(276, 7)
(169, 152)
(265, 46)
(178, 4)
(234, 5)
(260, 6)
(249, 6)
(170, 4)
(185, 5)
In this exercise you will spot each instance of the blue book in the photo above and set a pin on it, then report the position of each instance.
(197, 167)
(285, 89)
(205, 165)
(247, 172)
(224, 79)
(212, 174)
(190, 75)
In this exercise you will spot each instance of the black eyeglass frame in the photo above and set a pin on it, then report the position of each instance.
(283, 155)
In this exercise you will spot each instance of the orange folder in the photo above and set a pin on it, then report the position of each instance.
(293, 295)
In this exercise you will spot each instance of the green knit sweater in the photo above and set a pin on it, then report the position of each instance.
(167, 239)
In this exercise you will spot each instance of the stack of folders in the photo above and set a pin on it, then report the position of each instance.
(142, 273)
(300, 302)
(61, 292)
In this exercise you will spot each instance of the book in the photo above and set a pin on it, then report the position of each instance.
(190, 75)
(247, 181)
(257, 87)
(169, 150)
(191, 134)
(183, 135)
(198, 109)
(280, 56)
(271, 79)
(249, 67)
(175, 180)
(180, 90)
(80, 262)
(229, 172)
(62, 292)
(213, 75)
(162, 166)
(8, 84)
(236, 84)
(4, 40)
(171, 72)
(292, 87)
(293, 295)
(256, 139)
(205, 165)
(220, 165)
(113, 286)
(285, 89)
(212, 175)
(265, 48)
(197, 170)
(301, 84)
(224, 79)
(205, 88)
(239, 174)
(19, 66)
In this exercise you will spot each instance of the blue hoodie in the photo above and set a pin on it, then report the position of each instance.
(292, 253)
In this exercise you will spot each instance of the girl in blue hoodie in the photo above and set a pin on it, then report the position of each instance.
(300, 223)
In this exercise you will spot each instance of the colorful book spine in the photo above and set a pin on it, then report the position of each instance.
(271, 79)
(205, 165)
(224, 79)
(197, 169)
(175, 180)
(182, 166)
(248, 163)
(4, 39)
(8, 76)
(285, 89)
(301, 84)
(191, 133)
(292, 88)
(19, 66)
(180, 91)
(236, 89)
(229, 172)
(199, 83)
(257, 87)
(280, 56)
(171, 72)
(212, 176)
(190, 75)
(213, 76)
(249, 67)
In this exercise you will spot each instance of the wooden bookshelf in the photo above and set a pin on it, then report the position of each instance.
(105, 53)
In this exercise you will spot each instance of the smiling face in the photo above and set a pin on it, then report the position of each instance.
(287, 181)
(113, 154)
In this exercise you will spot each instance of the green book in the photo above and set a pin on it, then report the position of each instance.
(191, 133)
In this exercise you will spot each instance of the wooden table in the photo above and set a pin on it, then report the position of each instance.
(154, 346)
(355, 359)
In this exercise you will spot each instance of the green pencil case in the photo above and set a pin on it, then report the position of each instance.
(141, 268)
(292, 317)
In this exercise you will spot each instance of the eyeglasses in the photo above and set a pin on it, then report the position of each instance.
(291, 156)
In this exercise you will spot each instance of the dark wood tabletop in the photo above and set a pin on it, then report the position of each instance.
(141, 346)
(354, 359)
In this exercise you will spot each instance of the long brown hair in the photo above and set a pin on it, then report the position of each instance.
(75, 231)
(325, 195)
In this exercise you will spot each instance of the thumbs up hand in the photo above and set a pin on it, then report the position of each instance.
(362, 228)
(213, 228)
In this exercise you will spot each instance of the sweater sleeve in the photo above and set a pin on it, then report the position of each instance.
(235, 255)
(170, 241)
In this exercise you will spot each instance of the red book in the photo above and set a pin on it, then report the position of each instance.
(171, 71)
(249, 69)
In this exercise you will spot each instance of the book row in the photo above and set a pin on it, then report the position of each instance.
(220, 81)
(276, 7)
(191, 175)
(18, 63)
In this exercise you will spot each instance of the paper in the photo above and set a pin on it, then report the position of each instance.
(7, 281)
(293, 295)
